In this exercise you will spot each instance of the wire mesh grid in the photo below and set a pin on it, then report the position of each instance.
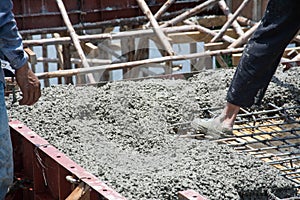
(273, 136)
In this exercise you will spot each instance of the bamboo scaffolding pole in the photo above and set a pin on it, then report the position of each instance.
(74, 37)
(46, 66)
(79, 71)
(210, 32)
(32, 65)
(297, 38)
(156, 28)
(144, 41)
(75, 61)
(127, 50)
(189, 13)
(226, 11)
(296, 58)
(230, 20)
(116, 36)
(245, 21)
(59, 54)
(67, 61)
(244, 38)
(161, 11)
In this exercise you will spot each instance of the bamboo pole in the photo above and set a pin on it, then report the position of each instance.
(296, 58)
(104, 75)
(75, 61)
(141, 52)
(46, 66)
(297, 38)
(161, 11)
(67, 62)
(244, 38)
(113, 36)
(210, 32)
(245, 21)
(230, 21)
(74, 37)
(32, 65)
(226, 11)
(59, 54)
(156, 28)
(189, 13)
(127, 50)
(78, 71)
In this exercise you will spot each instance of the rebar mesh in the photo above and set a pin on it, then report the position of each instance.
(272, 135)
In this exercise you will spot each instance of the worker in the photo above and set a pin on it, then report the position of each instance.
(258, 64)
(11, 49)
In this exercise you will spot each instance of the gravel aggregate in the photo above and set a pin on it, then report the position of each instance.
(123, 133)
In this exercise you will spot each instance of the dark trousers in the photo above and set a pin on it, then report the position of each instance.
(263, 52)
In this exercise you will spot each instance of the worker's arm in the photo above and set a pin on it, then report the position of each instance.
(11, 48)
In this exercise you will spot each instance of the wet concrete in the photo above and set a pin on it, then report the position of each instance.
(122, 133)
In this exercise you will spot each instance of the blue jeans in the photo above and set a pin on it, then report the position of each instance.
(6, 158)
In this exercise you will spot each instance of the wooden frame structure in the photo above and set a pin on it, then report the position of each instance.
(90, 49)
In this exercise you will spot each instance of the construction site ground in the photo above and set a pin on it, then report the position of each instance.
(130, 135)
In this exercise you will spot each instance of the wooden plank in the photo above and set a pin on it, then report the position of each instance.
(212, 21)
(79, 193)
(289, 50)
(190, 195)
(221, 61)
(89, 48)
(196, 36)
(237, 56)
(215, 46)
(31, 56)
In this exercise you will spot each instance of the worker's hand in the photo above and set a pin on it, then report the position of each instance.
(29, 85)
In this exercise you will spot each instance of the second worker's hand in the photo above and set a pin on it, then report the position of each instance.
(29, 85)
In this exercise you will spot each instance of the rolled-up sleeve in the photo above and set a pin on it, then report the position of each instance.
(11, 45)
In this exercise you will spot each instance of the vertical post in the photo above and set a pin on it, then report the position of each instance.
(67, 62)
(193, 49)
(105, 74)
(156, 28)
(127, 51)
(230, 21)
(226, 11)
(59, 54)
(162, 10)
(74, 37)
(257, 10)
(33, 68)
(46, 64)
(229, 3)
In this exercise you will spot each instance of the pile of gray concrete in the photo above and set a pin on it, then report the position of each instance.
(123, 133)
